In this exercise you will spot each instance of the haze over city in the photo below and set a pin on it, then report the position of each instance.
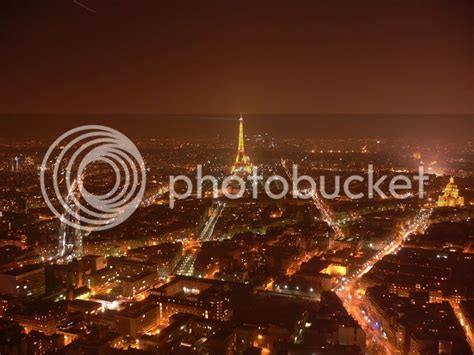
(237, 177)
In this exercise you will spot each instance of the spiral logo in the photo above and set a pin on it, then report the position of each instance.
(94, 153)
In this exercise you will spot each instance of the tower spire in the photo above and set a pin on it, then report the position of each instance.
(242, 161)
(241, 135)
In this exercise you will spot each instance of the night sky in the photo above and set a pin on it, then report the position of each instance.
(350, 57)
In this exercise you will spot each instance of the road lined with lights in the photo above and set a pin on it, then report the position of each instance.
(344, 291)
(347, 286)
(186, 264)
(208, 229)
(352, 298)
(320, 204)
(326, 214)
(150, 200)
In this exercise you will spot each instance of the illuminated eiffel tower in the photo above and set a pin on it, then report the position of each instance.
(242, 163)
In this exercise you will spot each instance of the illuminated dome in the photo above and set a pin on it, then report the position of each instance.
(450, 196)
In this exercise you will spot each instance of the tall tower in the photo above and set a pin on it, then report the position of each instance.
(242, 161)
(70, 242)
(70, 238)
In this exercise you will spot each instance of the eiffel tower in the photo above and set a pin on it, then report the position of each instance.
(242, 163)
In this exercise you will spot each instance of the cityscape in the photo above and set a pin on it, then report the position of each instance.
(237, 178)
(219, 275)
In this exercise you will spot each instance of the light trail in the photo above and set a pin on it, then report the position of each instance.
(209, 226)
(326, 214)
(186, 264)
(146, 202)
(84, 6)
(462, 321)
(320, 204)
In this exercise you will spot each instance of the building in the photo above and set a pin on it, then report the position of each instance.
(94, 262)
(264, 323)
(202, 297)
(43, 317)
(27, 282)
(83, 306)
(138, 318)
(166, 255)
(13, 341)
(351, 334)
(450, 196)
(203, 336)
(415, 326)
(100, 278)
(45, 344)
(123, 266)
(16, 256)
(336, 324)
(71, 275)
(134, 285)
(94, 343)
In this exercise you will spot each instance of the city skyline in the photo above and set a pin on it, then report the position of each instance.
(422, 128)
(255, 268)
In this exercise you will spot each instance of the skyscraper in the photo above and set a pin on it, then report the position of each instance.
(70, 238)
